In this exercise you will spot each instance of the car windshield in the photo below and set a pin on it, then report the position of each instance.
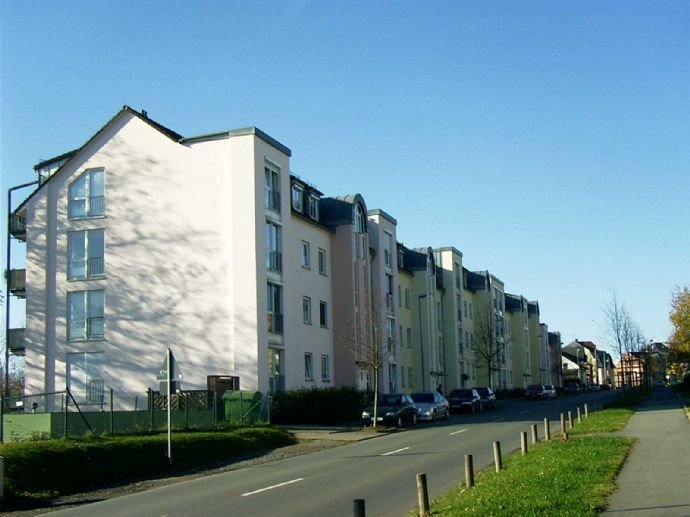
(482, 391)
(423, 397)
(390, 400)
(534, 387)
(461, 393)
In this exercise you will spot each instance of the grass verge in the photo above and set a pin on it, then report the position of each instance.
(557, 478)
(683, 391)
(606, 421)
(50, 468)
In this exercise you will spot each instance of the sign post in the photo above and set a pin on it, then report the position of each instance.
(169, 375)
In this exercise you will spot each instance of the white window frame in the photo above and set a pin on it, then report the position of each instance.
(306, 310)
(325, 368)
(93, 267)
(297, 198)
(323, 265)
(308, 366)
(313, 207)
(272, 187)
(91, 205)
(305, 255)
(323, 314)
(93, 324)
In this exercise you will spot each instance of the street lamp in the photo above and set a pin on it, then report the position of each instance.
(421, 336)
(579, 366)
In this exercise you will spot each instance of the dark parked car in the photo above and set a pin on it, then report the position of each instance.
(393, 410)
(465, 399)
(571, 387)
(535, 391)
(488, 397)
(431, 405)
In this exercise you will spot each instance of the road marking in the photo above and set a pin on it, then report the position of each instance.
(393, 452)
(272, 487)
(458, 432)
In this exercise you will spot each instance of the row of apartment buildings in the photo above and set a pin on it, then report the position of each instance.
(143, 240)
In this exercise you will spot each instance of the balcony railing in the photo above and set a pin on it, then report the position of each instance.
(95, 327)
(389, 300)
(275, 323)
(16, 341)
(273, 200)
(18, 227)
(18, 282)
(96, 206)
(274, 261)
(96, 267)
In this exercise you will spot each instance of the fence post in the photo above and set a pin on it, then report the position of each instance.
(547, 430)
(498, 460)
(523, 442)
(186, 410)
(535, 436)
(241, 409)
(112, 413)
(469, 471)
(570, 420)
(586, 410)
(66, 403)
(215, 409)
(562, 423)
(579, 415)
(150, 396)
(422, 495)
(359, 508)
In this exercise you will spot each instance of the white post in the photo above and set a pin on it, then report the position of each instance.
(2, 478)
(169, 382)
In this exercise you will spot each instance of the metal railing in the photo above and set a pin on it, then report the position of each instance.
(272, 200)
(18, 282)
(274, 261)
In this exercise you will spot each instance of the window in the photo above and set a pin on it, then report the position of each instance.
(304, 255)
(306, 310)
(297, 198)
(399, 296)
(85, 251)
(87, 195)
(323, 269)
(85, 376)
(409, 376)
(308, 367)
(274, 308)
(325, 369)
(85, 315)
(360, 226)
(272, 188)
(409, 337)
(439, 322)
(407, 298)
(388, 250)
(390, 334)
(389, 291)
(458, 304)
(274, 257)
(323, 314)
(313, 207)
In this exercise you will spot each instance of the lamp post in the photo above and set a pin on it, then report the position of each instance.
(421, 336)
(579, 366)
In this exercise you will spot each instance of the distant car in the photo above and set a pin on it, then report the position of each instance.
(659, 383)
(549, 391)
(431, 405)
(535, 391)
(594, 387)
(605, 387)
(571, 387)
(488, 397)
(395, 410)
(465, 399)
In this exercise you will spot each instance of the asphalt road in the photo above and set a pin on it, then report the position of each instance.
(382, 471)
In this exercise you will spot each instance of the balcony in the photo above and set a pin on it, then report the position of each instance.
(18, 227)
(389, 300)
(18, 282)
(275, 323)
(95, 327)
(274, 261)
(16, 341)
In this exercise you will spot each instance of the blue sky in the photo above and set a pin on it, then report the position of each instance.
(548, 141)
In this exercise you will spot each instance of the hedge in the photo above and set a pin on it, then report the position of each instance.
(318, 406)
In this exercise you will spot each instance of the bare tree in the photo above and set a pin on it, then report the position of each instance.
(625, 335)
(489, 341)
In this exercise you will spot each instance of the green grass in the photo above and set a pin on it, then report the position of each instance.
(557, 478)
(62, 466)
(606, 421)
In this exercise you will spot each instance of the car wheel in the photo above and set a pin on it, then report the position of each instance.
(473, 409)
(433, 416)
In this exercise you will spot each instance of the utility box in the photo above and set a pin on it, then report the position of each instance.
(222, 383)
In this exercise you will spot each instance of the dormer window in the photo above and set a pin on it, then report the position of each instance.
(313, 207)
(297, 198)
(359, 220)
(87, 195)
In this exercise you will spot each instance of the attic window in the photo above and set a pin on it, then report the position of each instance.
(313, 207)
(297, 198)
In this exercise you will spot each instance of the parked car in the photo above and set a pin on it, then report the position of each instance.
(550, 391)
(571, 387)
(488, 397)
(594, 387)
(465, 399)
(605, 387)
(393, 410)
(535, 391)
(431, 405)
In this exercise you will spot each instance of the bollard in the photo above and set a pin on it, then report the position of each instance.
(547, 430)
(570, 420)
(469, 471)
(562, 423)
(422, 495)
(586, 410)
(359, 509)
(535, 436)
(523, 442)
(498, 460)
(579, 415)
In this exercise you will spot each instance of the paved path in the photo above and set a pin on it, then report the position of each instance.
(655, 479)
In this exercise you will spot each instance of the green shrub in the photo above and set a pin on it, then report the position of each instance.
(317, 406)
(67, 465)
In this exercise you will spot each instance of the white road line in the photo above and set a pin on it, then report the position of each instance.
(458, 432)
(272, 487)
(393, 452)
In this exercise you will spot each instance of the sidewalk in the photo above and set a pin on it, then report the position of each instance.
(655, 479)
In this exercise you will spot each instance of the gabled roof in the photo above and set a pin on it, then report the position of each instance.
(71, 155)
